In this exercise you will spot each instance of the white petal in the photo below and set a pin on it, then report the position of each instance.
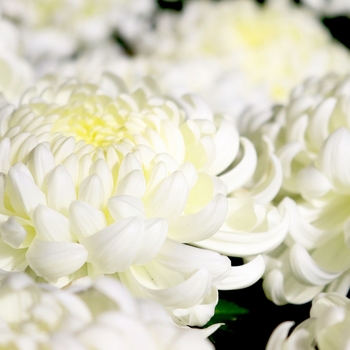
(155, 233)
(85, 219)
(124, 206)
(53, 260)
(133, 184)
(114, 248)
(201, 225)
(24, 195)
(186, 259)
(244, 170)
(185, 294)
(101, 168)
(312, 183)
(169, 199)
(334, 160)
(226, 141)
(279, 335)
(173, 140)
(245, 275)
(51, 225)
(5, 145)
(40, 163)
(129, 164)
(60, 190)
(306, 269)
(91, 191)
(12, 233)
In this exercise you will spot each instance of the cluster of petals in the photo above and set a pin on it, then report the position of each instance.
(57, 29)
(99, 180)
(98, 315)
(245, 53)
(311, 135)
(326, 329)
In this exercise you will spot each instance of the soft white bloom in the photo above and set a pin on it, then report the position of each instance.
(329, 7)
(101, 315)
(99, 180)
(326, 329)
(55, 29)
(237, 52)
(312, 138)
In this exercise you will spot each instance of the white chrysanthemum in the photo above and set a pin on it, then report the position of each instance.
(98, 180)
(326, 329)
(58, 28)
(311, 135)
(237, 52)
(101, 315)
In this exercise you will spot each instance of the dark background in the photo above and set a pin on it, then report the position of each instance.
(252, 330)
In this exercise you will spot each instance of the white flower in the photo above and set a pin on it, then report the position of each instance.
(312, 138)
(237, 52)
(56, 29)
(326, 329)
(100, 315)
(98, 180)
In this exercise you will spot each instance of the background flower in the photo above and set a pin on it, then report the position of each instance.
(325, 329)
(311, 136)
(102, 315)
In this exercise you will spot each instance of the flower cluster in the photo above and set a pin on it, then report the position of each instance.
(100, 315)
(311, 136)
(326, 329)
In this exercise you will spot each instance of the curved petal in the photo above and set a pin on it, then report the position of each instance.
(334, 160)
(201, 225)
(114, 248)
(91, 191)
(169, 199)
(306, 269)
(244, 170)
(51, 225)
(124, 206)
(53, 260)
(245, 275)
(279, 335)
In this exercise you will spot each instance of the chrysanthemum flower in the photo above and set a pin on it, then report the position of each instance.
(311, 135)
(98, 180)
(57, 29)
(238, 52)
(100, 315)
(326, 329)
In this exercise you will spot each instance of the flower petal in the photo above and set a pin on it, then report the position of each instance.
(53, 260)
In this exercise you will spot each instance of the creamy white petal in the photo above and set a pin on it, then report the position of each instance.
(114, 248)
(245, 275)
(53, 260)
(189, 228)
(279, 335)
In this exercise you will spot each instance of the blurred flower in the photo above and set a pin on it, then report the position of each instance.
(99, 180)
(56, 29)
(312, 138)
(100, 315)
(237, 52)
(326, 329)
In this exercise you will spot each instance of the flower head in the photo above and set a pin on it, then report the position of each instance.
(327, 327)
(100, 180)
(311, 136)
(234, 51)
(100, 315)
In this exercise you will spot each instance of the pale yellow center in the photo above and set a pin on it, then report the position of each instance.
(96, 128)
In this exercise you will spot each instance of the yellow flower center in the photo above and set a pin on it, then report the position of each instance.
(99, 129)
